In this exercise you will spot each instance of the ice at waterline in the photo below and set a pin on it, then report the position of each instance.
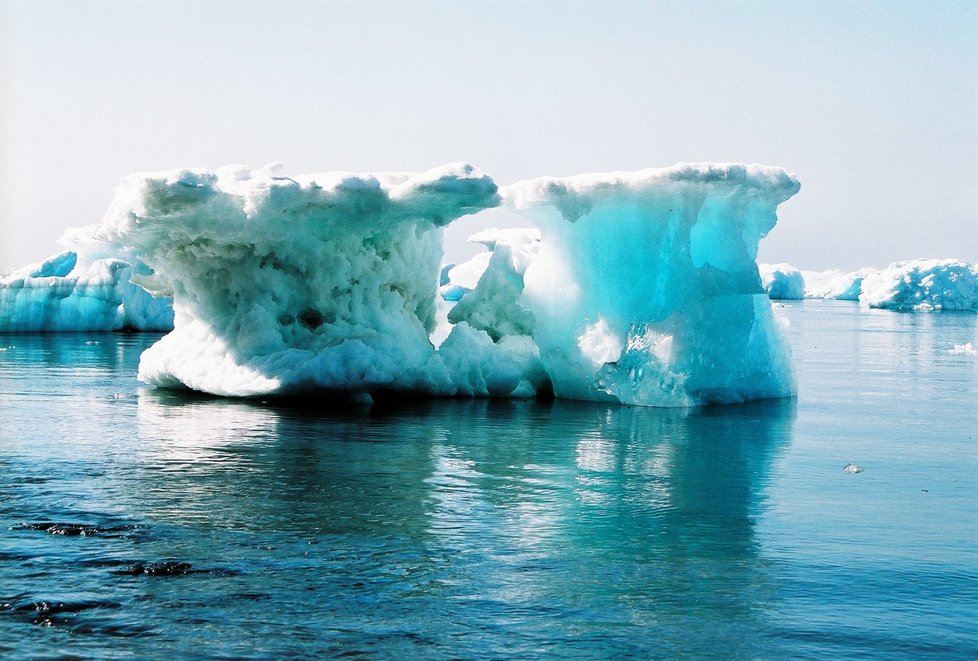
(642, 289)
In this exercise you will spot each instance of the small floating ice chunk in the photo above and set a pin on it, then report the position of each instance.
(852, 469)
(966, 349)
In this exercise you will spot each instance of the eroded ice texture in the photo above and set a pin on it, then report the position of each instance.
(923, 284)
(84, 288)
(493, 303)
(646, 289)
(282, 284)
(782, 282)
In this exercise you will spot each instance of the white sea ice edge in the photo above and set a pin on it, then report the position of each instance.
(640, 287)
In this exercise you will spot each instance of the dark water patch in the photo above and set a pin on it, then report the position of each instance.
(170, 568)
(85, 616)
(67, 529)
(13, 556)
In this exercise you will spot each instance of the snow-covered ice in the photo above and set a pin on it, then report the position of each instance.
(923, 284)
(494, 302)
(283, 284)
(834, 284)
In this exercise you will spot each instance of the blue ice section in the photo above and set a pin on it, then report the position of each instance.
(56, 267)
(64, 294)
(646, 290)
(782, 282)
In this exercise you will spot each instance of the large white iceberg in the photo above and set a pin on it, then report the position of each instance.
(282, 284)
(646, 289)
(639, 288)
(923, 284)
(84, 288)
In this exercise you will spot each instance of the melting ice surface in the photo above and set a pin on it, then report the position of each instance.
(639, 287)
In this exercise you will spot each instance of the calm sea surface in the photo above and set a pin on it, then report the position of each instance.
(143, 524)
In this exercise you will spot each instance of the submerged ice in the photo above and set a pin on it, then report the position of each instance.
(634, 287)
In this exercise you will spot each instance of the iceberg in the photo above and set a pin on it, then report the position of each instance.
(634, 287)
(782, 282)
(282, 285)
(87, 287)
(646, 289)
(923, 284)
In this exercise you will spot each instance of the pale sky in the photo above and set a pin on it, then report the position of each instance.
(874, 105)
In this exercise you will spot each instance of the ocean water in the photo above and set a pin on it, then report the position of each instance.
(145, 524)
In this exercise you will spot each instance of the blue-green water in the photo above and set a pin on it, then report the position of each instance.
(143, 524)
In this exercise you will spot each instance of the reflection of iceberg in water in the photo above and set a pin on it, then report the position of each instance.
(503, 512)
(285, 468)
(632, 507)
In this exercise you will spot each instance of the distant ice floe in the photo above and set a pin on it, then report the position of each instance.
(88, 287)
(916, 285)
(634, 287)
(782, 282)
(923, 284)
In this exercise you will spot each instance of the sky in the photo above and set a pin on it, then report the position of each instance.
(873, 105)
